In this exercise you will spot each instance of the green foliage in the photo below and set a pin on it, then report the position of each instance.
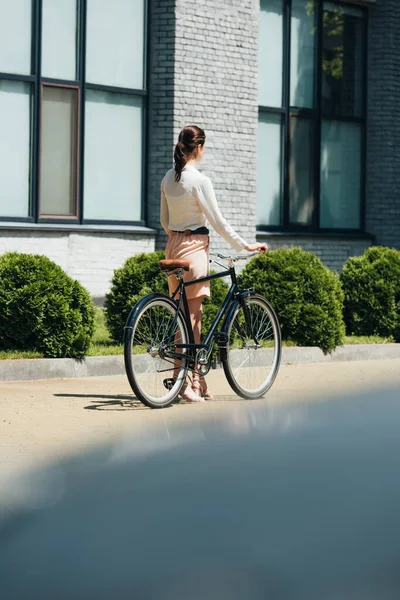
(305, 294)
(42, 309)
(141, 275)
(371, 285)
(219, 289)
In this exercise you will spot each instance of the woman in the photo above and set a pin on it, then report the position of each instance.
(187, 201)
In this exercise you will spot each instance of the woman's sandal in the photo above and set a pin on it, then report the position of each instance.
(187, 392)
(200, 387)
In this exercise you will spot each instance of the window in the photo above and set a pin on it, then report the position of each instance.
(72, 108)
(15, 127)
(310, 174)
(59, 137)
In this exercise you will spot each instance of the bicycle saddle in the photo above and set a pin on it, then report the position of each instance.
(169, 265)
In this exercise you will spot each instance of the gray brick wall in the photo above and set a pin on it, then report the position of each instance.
(161, 103)
(383, 167)
(204, 71)
(216, 88)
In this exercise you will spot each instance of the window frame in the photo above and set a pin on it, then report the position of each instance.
(37, 82)
(317, 115)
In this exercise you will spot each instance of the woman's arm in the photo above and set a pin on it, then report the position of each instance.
(164, 212)
(206, 197)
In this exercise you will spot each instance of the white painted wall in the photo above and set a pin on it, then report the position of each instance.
(89, 257)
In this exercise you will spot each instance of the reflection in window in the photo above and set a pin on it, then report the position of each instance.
(115, 43)
(270, 53)
(269, 166)
(15, 103)
(301, 171)
(113, 157)
(340, 175)
(303, 38)
(15, 36)
(342, 62)
(59, 29)
(59, 151)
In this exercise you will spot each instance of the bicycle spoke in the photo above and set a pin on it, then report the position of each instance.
(153, 329)
(253, 354)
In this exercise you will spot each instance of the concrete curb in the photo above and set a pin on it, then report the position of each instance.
(95, 366)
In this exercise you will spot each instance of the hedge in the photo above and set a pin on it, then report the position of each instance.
(141, 275)
(305, 294)
(42, 309)
(371, 285)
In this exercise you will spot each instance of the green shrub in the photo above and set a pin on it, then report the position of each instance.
(305, 294)
(371, 285)
(42, 309)
(219, 289)
(141, 275)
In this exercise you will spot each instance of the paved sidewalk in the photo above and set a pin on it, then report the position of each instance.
(44, 420)
(93, 366)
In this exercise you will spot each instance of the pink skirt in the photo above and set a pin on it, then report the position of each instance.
(194, 249)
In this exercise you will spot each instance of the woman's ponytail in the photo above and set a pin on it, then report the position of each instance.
(189, 138)
(180, 159)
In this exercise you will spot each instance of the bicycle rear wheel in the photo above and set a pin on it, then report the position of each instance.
(154, 377)
(253, 353)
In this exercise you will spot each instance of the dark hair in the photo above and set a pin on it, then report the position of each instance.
(189, 138)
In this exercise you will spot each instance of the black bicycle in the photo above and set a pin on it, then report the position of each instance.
(160, 348)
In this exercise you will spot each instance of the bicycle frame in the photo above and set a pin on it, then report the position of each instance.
(208, 340)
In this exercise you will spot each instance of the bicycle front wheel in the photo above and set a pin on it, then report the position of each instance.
(155, 378)
(253, 353)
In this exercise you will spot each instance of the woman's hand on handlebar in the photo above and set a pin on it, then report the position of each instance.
(256, 248)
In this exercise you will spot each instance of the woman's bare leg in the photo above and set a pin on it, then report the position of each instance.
(196, 315)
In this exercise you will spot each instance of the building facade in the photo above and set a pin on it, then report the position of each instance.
(298, 99)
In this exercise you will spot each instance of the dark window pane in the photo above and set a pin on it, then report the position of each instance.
(340, 175)
(343, 56)
(301, 171)
(269, 170)
(59, 151)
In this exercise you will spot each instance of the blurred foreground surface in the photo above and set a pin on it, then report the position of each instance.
(283, 501)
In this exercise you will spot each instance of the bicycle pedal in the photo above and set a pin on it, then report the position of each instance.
(222, 339)
(169, 383)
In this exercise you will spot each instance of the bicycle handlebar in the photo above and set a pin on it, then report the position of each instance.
(234, 258)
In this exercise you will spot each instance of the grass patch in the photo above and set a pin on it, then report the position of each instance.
(103, 345)
(367, 339)
(14, 354)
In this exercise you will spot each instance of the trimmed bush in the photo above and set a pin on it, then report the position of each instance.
(42, 309)
(305, 294)
(219, 289)
(371, 285)
(141, 275)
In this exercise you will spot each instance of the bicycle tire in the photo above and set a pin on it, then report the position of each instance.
(231, 355)
(135, 363)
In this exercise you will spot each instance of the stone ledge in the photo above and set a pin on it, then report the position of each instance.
(95, 366)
